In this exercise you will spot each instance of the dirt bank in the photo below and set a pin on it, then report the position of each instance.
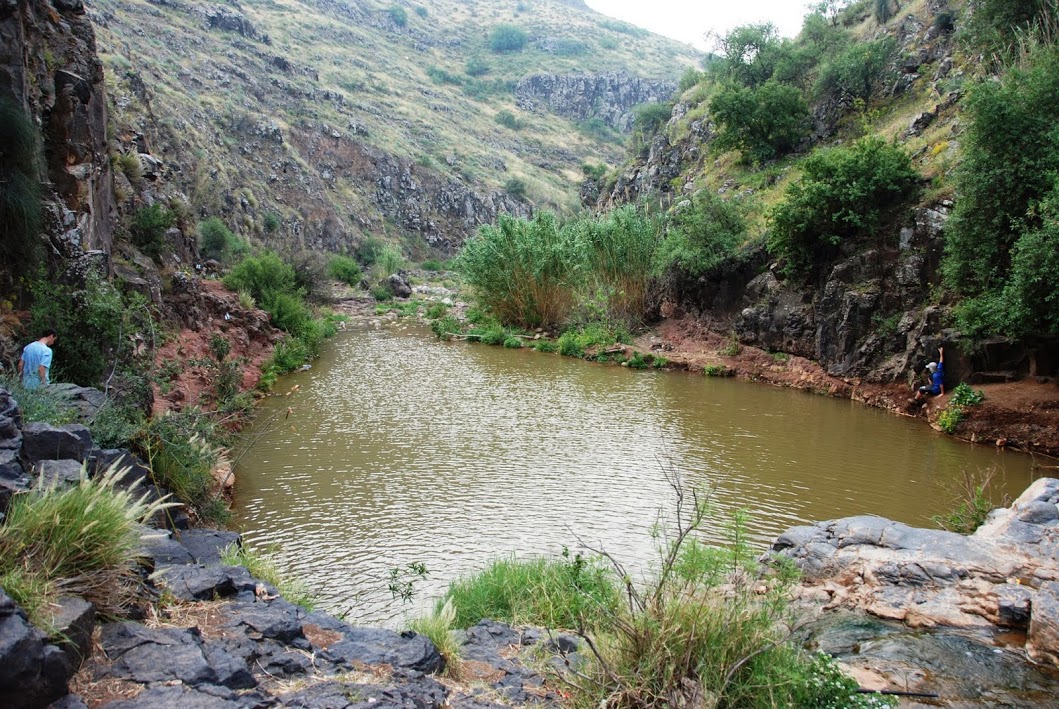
(1023, 415)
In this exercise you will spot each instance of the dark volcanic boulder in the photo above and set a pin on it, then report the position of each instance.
(42, 441)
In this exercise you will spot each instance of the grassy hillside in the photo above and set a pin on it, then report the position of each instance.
(309, 110)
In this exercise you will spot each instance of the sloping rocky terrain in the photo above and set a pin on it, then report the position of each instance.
(342, 119)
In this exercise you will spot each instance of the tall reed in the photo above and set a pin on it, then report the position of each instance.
(620, 249)
(526, 272)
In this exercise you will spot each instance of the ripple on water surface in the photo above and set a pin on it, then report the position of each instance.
(403, 449)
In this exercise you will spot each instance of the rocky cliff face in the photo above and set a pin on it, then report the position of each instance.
(49, 67)
(608, 97)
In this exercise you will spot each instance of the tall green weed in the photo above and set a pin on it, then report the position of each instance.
(526, 272)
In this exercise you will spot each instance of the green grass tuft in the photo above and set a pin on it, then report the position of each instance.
(262, 565)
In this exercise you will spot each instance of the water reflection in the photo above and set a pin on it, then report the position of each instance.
(404, 449)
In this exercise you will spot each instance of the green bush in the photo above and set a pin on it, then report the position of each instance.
(388, 262)
(310, 275)
(21, 210)
(476, 66)
(701, 234)
(40, 405)
(345, 269)
(148, 228)
(964, 395)
(553, 593)
(950, 418)
(763, 122)
(508, 120)
(398, 15)
(1000, 241)
(648, 119)
(217, 241)
(844, 193)
(89, 323)
(84, 540)
(432, 265)
(272, 222)
(995, 24)
(507, 38)
(382, 293)
(598, 129)
(857, 71)
(264, 277)
(526, 272)
(515, 187)
(421, 11)
(445, 326)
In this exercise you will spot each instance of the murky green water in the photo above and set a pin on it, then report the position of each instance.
(403, 449)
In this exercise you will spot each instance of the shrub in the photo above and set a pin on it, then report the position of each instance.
(114, 425)
(709, 624)
(264, 277)
(217, 241)
(178, 449)
(476, 66)
(345, 269)
(82, 539)
(515, 187)
(844, 193)
(272, 222)
(691, 77)
(882, 10)
(388, 262)
(89, 323)
(441, 76)
(964, 395)
(995, 24)
(716, 370)
(21, 211)
(382, 293)
(432, 265)
(748, 55)
(310, 275)
(507, 38)
(950, 418)
(148, 228)
(40, 405)
(421, 11)
(445, 326)
(701, 234)
(507, 119)
(971, 503)
(648, 118)
(856, 71)
(553, 593)
(512, 343)
(526, 272)
(398, 15)
(368, 250)
(763, 122)
(543, 345)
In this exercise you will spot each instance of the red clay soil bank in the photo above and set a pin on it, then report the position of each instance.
(1023, 415)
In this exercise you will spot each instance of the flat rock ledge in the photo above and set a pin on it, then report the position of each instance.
(230, 640)
(1004, 577)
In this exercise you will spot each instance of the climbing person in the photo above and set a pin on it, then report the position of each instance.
(35, 364)
(937, 378)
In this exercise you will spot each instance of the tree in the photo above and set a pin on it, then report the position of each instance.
(763, 123)
(507, 38)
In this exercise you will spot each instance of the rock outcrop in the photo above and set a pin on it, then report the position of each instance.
(50, 69)
(1003, 576)
(607, 97)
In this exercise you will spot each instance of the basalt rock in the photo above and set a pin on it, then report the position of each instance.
(33, 673)
(1003, 575)
(607, 97)
(42, 441)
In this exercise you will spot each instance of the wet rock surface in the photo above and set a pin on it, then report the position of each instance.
(990, 597)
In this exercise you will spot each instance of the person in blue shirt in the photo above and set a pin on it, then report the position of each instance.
(937, 378)
(35, 364)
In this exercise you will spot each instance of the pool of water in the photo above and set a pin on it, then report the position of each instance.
(396, 449)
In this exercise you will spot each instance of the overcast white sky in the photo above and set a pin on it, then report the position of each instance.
(689, 20)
